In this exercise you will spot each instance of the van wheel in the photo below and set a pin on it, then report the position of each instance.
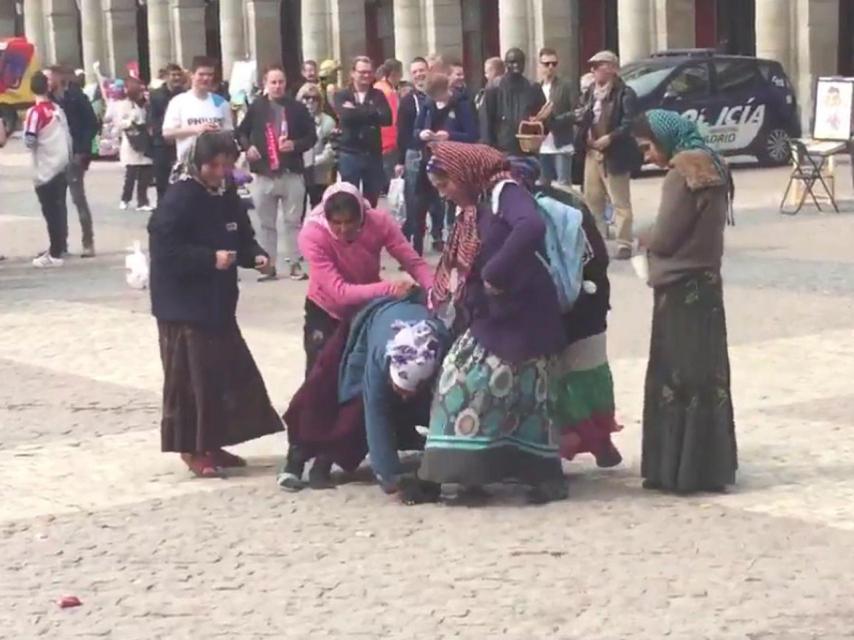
(10, 118)
(774, 149)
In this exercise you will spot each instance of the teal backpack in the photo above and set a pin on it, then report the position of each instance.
(565, 243)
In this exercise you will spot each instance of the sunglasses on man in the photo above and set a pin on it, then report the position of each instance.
(548, 63)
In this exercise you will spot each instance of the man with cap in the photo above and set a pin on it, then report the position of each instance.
(504, 106)
(608, 107)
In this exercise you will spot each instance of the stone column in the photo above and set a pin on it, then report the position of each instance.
(265, 35)
(188, 30)
(316, 30)
(817, 37)
(92, 36)
(120, 23)
(444, 27)
(408, 32)
(61, 29)
(348, 28)
(159, 36)
(232, 34)
(774, 33)
(674, 24)
(7, 19)
(514, 29)
(34, 28)
(556, 26)
(635, 25)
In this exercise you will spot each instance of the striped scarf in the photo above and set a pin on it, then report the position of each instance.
(477, 168)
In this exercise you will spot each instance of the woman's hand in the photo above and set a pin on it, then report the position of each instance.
(426, 135)
(224, 259)
(441, 136)
(252, 154)
(401, 288)
(262, 265)
(490, 290)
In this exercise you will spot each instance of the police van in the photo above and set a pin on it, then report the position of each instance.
(744, 106)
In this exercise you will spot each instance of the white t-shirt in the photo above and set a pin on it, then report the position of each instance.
(547, 90)
(186, 110)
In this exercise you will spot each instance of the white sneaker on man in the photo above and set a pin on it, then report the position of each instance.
(145, 208)
(123, 206)
(46, 261)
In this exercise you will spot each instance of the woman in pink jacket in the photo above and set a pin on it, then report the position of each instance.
(342, 241)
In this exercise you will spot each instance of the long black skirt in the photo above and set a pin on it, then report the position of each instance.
(213, 393)
(688, 427)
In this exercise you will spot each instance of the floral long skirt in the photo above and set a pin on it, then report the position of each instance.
(490, 421)
(582, 399)
(688, 427)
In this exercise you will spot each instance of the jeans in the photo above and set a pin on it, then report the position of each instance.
(365, 172)
(76, 175)
(389, 163)
(420, 198)
(139, 174)
(557, 167)
(164, 159)
(52, 196)
(269, 193)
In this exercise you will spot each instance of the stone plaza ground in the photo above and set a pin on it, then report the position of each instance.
(90, 507)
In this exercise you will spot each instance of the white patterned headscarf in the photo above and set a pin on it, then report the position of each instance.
(413, 354)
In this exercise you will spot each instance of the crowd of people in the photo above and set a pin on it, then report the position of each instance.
(482, 350)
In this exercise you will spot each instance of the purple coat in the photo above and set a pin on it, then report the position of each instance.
(524, 320)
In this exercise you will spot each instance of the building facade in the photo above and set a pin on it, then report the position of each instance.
(810, 37)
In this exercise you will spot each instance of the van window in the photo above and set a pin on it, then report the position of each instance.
(644, 78)
(736, 75)
(689, 82)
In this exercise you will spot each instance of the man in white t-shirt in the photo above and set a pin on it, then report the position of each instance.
(198, 110)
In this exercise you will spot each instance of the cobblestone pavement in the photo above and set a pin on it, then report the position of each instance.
(89, 507)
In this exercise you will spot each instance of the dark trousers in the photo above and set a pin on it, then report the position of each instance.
(139, 174)
(315, 193)
(52, 196)
(75, 179)
(164, 159)
(365, 172)
(421, 198)
(319, 327)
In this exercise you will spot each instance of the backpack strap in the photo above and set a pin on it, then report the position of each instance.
(496, 194)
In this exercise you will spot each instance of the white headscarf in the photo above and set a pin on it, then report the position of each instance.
(413, 354)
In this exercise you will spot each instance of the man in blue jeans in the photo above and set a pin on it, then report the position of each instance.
(362, 111)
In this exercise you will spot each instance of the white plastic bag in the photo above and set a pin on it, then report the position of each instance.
(396, 200)
(136, 264)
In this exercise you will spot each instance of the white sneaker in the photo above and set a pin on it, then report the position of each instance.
(123, 206)
(46, 261)
(145, 208)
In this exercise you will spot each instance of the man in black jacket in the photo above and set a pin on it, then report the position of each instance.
(164, 150)
(506, 105)
(83, 125)
(561, 97)
(610, 152)
(362, 112)
(275, 133)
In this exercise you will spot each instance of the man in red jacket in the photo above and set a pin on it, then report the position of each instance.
(390, 74)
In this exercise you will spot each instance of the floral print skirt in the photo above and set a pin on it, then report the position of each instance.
(490, 421)
(688, 427)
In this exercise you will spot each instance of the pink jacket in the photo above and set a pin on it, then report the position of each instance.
(344, 276)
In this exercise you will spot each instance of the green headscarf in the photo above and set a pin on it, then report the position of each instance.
(673, 134)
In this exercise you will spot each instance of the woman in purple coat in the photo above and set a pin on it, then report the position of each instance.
(489, 421)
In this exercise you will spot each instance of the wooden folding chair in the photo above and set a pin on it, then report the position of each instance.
(807, 170)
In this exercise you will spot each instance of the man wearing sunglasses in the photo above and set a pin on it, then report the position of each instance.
(561, 94)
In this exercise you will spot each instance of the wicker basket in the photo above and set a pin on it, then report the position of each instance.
(530, 136)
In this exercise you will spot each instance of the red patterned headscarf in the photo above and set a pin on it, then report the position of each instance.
(479, 168)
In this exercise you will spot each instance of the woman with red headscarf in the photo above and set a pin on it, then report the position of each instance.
(489, 421)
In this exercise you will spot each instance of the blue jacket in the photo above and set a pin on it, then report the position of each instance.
(185, 232)
(458, 118)
(364, 370)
